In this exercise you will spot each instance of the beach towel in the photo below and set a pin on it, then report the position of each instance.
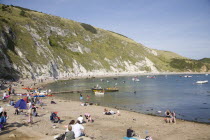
(130, 138)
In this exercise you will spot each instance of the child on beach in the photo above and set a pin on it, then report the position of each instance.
(81, 97)
(88, 98)
(118, 112)
(70, 134)
(173, 114)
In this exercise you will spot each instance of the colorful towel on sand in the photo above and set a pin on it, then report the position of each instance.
(131, 138)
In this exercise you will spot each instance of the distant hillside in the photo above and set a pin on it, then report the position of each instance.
(205, 60)
(34, 44)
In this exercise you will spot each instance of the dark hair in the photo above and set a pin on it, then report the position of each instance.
(78, 121)
(72, 122)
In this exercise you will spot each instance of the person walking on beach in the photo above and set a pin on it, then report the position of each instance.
(4, 95)
(30, 119)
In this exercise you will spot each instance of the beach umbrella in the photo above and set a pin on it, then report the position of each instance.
(21, 104)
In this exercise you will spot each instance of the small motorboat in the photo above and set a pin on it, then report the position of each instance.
(151, 77)
(202, 82)
(187, 76)
(99, 92)
(114, 89)
(135, 79)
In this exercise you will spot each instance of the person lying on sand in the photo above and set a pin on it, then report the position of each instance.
(110, 112)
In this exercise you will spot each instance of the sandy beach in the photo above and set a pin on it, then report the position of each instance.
(104, 127)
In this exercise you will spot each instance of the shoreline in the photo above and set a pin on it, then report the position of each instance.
(104, 126)
(113, 125)
(149, 114)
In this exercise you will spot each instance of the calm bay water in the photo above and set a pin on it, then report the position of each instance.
(189, 100)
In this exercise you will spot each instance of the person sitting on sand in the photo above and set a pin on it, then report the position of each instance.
(88, 117)
(130, 132)
(78, 129)
(118, 112)
(173, 115)
(70, 134)
(168, 118)
(54, 117)
(71, 123)
(80, 119)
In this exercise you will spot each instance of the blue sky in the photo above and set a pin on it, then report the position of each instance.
(180, 26)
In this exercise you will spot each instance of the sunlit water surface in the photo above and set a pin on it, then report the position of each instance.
(189, 100)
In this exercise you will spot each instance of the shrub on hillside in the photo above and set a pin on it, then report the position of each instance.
(89, 28)
(23, 13)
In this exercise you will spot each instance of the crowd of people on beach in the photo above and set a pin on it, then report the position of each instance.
(75, 127)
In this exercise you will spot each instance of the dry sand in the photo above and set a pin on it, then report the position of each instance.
(104, 127)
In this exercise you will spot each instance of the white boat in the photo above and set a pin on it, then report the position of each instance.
(187, 76)
(99, 92)
(135, 79)
(202, 82)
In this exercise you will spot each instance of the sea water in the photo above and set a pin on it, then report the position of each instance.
(149, 95)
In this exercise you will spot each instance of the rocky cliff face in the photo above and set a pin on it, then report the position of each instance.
(34, 44)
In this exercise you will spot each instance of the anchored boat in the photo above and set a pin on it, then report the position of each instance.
(202, 82)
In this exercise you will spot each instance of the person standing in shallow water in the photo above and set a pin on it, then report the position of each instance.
(88, 98)
(81, 97)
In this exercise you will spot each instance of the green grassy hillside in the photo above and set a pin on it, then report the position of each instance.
(34, 44)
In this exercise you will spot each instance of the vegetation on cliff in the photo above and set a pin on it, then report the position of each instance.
(35, 44)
